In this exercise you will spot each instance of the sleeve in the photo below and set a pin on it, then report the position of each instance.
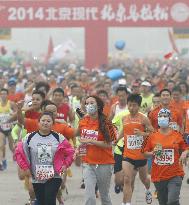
(182, 143)
(147, 146)
(22, 155)
(67, 131)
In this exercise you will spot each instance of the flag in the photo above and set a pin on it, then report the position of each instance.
(168, 55)
(172, 41)
(50, 50)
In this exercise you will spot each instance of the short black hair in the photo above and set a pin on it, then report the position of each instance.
(186, 85)
(42, 84)
(47, 113)
(58, 90)
(102, 92)
(4, 89)
(134, 98)
(38, 92)
(122, 88)
(165, 90)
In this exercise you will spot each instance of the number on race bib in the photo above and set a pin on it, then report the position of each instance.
(134, 141)
(167, 157)
(44, 172)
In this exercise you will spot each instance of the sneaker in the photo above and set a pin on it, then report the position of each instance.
(1, 166)
(82, 185)
(148, 197)
(117, 189)
(4, 164)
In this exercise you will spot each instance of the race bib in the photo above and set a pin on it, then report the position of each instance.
(134, 141)
(44, 172)
(167, 157)
(174, 126)
(3, 119)
(89, 134)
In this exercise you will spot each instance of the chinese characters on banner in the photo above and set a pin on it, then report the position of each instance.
(96, 17)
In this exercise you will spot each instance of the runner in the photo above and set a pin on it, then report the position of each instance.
(44, 155)
(6, 111)
(136, 127)
(121, 104)
(166, 146)
(97, 134)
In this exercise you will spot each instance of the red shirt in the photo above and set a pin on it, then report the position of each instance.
(62, 111)
(32, 114)
(16, 97)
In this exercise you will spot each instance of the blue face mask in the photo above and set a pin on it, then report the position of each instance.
(163, 122)
(91, 109)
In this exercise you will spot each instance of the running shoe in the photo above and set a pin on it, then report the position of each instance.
(117, 189)
(148, 197)
(4, 164)
(82, 185)
(1, 166)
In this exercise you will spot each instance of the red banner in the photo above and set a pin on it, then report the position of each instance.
(83, 13)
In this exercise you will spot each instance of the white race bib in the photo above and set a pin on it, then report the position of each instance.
(167, 157)
(44, 172)
(134, 141)
(3, 119)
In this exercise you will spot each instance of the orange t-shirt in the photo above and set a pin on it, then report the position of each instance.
(31, 125)
(186, 116)
(89, 128)
(16, 97)
(176, 117)
(133, 143)
(167, 166)
(107, 109)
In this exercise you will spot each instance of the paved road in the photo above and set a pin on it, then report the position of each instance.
(12, 190)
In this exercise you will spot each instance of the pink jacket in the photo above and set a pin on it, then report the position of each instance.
(63, 157)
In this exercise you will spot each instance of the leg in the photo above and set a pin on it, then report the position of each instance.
(174, 187)
(144, 177)
(162, 192)
(39, 190)
(129, 176)
(11, 143)
(51, 189)
(104, 173)
(90, 180)
(2, 147)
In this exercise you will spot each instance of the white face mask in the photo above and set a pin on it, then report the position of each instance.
(91, 108)
(163, 122)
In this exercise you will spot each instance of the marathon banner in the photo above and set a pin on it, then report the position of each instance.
(76, 13)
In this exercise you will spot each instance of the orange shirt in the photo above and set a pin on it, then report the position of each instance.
(186, 116)
(16, 97)
(89, 128)
(167, 166)
(107, 109)
(31, 125)
(179, 105)
(176, 117)
(133, 143)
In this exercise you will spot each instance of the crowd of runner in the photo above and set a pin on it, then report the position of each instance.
(52, 115)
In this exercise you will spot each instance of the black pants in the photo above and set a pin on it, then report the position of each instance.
(169, 191)
(46, 193)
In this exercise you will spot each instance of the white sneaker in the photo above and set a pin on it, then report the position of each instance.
(148, 197)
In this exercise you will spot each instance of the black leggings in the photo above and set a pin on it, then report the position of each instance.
(46, 193)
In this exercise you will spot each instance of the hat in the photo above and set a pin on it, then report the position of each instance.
(164, 111)
(146, 83)
(122, 81)
(12, 81)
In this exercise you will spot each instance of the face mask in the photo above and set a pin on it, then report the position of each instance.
(91, 109)
(163, 122)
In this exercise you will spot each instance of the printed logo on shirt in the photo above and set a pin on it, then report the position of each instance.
(134, 141)
(44, 153)
(89, 134)
(167, 157)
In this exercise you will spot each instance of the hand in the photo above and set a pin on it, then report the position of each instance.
(27, 173)
(86, 141)
(20, 104)
(183, 157)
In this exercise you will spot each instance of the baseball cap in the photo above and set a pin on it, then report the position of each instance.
(146, 83)
(12, 81)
